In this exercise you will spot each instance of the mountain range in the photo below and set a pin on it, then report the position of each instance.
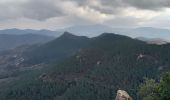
(74, 67)
(157, 41)
(11, 41)
(15, 31)
(97, 29)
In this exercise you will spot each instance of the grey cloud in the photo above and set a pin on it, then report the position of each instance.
(149, 4)
(124, 22)
(141, 4)
(45, 9)
(115, 5)
(40, 9)
(76, 12)
(107, 6)
(32, 9)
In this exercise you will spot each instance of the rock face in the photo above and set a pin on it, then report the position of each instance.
(122, 95)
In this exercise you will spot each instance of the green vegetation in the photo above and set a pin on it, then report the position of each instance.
(93, 69)
(56, 50)
(151, 90)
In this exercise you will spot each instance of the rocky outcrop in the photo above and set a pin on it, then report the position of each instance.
(122, 95)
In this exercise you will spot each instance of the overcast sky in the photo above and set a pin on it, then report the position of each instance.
(54, 14)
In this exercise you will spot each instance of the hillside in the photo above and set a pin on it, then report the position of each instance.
(108, 64)
(64, 46)
(88, 68)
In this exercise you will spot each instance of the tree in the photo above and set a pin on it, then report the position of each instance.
(164, 87)
(148, 89)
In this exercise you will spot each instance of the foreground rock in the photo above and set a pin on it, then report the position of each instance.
(122, 95)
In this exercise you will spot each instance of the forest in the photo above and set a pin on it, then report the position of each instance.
(81, 68)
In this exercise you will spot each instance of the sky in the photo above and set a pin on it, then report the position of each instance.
(56, 14)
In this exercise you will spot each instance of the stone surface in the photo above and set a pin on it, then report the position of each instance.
(122, 95)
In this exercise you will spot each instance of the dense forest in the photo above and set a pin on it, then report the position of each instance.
(81, 68)
(156, 90)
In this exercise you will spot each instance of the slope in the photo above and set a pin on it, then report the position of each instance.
(103, 65)
(56, 50)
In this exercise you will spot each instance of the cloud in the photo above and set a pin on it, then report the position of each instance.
(162, 20)
(115, 6)
(40, 9)
(32, 9)
(149, 4)
(45, 9)
(70, 12)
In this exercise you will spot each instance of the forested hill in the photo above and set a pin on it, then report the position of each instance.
(90, 69)
(111, 62)
(60, 48)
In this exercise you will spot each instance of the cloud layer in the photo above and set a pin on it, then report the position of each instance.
(70, 12)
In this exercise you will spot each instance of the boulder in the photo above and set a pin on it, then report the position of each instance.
(122, 95)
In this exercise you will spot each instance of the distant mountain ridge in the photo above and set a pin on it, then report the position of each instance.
(88, 30)
(97, 29)
(157, 41)
(10, 41)
(150, 32)
(15, 31)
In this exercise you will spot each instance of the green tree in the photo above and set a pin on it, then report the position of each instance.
(148, 89)
(164, 87)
